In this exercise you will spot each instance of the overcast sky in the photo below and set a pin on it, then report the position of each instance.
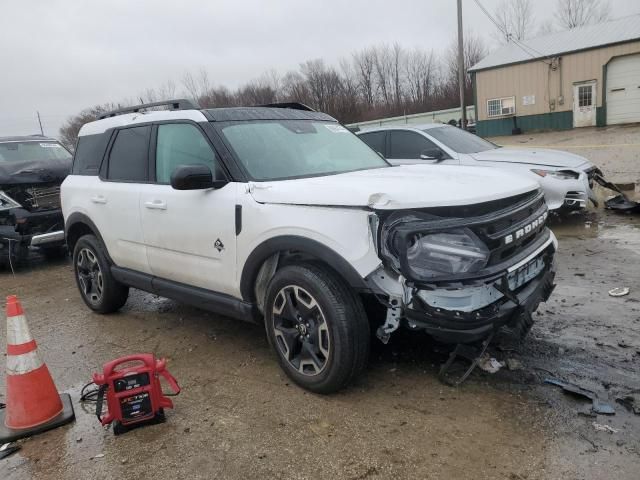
(60, 56)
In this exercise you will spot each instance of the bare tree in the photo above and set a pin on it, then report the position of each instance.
(576, 13)
(364, 64)
(515, 19)
(384, 66)
(474, 50)
(420, 76)
(196, 85)
(373, 83)
(69, 131)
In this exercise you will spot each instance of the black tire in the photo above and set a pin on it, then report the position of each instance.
(100, 291)
(331, 337)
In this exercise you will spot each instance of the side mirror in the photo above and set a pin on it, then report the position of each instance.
(194, 177)
(432, 154)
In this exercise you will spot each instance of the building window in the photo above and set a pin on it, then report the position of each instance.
(497, 107)
(585, 98)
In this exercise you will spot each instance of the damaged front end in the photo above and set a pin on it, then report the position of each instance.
(463, 273)
(30, 215)
(31, 171)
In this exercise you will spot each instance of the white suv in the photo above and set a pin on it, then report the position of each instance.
(283, 216)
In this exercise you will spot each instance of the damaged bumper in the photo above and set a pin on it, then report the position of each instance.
(22, 229)
(513, 312)
(455, 313)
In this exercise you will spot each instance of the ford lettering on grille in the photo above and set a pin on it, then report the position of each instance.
(526, 230)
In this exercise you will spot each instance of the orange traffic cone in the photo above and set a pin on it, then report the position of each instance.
(33, 402)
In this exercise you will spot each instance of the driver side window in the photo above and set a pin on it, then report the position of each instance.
(408, 145)
(182, 144)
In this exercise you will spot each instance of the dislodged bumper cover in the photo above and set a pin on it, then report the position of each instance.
(515, 307)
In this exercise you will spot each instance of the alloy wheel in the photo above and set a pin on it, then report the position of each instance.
(300, 330)
(89, 275)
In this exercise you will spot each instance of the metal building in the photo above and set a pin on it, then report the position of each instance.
(588, 76)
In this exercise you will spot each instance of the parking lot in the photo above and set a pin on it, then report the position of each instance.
(240, 417)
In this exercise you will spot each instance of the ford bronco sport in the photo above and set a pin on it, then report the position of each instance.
(283, 216)
(31, 171)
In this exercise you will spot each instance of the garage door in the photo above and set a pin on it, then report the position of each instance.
(623, 90)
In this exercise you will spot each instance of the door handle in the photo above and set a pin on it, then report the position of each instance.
(99, 199)
(156, 205)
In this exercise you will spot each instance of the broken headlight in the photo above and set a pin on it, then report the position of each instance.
(422, 247)
(446, 253)
(6, 202)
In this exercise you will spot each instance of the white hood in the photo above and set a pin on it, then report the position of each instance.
(406, 186)
(537, 157)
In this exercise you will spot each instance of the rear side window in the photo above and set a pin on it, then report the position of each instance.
(408, 145)
(375, 140)
(128, 160)
(182, 144)
(89, 152)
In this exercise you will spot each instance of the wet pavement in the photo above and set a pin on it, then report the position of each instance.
(240, 417)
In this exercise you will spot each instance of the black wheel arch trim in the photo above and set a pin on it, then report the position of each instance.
(300, 245)
(77, 218)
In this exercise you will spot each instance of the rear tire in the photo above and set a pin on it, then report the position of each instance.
(100, 291)
(317, 326)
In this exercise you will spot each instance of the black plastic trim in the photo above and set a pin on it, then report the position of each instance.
(198, 297)
(299, 245)
(80, 218)
(448, 327)
(238, 219)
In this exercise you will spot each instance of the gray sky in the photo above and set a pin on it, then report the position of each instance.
(60, 56)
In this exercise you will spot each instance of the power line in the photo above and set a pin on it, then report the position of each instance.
(525, 48)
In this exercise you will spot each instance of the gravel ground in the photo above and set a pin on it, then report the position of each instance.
(240, 417)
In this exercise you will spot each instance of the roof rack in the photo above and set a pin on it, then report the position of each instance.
(179, 104)
(290, 105)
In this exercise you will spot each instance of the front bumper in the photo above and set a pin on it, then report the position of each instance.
(513, 309)
(25, 229)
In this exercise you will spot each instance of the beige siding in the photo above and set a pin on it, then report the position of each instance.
(535, 78)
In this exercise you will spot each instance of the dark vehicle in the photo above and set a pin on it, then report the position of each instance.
(31, 171)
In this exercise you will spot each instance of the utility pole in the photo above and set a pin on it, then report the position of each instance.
(40, 122)
(461, 66)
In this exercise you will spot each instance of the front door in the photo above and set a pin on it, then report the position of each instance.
(584, 104)
(189, 234)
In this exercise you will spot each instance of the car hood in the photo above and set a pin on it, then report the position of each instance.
(538, 157)
(36, 171)
(405, 186)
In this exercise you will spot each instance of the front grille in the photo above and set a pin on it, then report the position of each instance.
(513, 230)
(36, 197)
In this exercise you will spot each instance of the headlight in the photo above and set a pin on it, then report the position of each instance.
(560, 174)
(6, 202)
(447, 253)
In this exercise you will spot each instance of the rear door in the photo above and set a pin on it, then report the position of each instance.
(189, 234)
(114, 197)
(411, 148)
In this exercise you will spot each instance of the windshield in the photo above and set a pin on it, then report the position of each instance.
(282, 149)
(460, 141)
(32, 151)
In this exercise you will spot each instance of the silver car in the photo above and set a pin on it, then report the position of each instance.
(567, 179)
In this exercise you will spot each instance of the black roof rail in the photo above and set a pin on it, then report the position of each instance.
(290, 105)
(179, 104)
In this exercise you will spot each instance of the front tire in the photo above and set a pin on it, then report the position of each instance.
(100, 291)
(317, 326)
